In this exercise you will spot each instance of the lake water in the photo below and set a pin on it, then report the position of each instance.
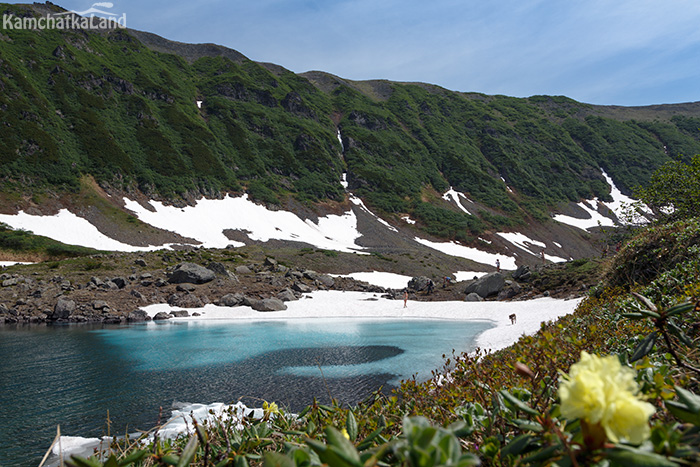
(77, 376)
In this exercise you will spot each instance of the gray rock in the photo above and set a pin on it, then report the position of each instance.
(146, 275)
(419, 283)
(218, 268)
(509, 291)
(186, 287)
(287, 295)
(121, 282)
(161, 315)
(488, 285)
(110, 285)
(243, 270)
(268, 304)
(232, 299)
(473, 297)
(309, 274)
(97, 281)
(523, 273)
(63, 309)
(180, 313)
(191, 273)
(161, 283)
(112, 319)
(326, 280)
(140, 262)
(270, 263)
(301, 287)
(187, 301)
(99, 305)
(137, 294)
(4, 310)
(10, 282)
(138, 315)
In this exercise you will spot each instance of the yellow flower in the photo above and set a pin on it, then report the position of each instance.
(270, 408)
(600, 391)
(344, 432)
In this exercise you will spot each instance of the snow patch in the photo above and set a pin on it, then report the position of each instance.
(453, 195)
(382, 279)
(408, 220)
(358, 202)
(209, 218)
(199, 104)
(70, 229)
(468, 275)
(455, 249)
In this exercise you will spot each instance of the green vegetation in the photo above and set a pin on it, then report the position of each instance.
(77, 103)
(615, 383)
(27, 245)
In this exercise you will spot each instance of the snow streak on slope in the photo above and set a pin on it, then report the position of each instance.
(68, 228)
(454, 196)
(209, 218)
(618, 206)
(528, 244)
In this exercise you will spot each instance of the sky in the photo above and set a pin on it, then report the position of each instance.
(622, 52)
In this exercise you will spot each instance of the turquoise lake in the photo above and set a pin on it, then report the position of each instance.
(76, 375)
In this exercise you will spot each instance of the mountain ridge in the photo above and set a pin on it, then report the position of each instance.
(113, 106)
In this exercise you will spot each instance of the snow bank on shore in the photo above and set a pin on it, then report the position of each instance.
(338, 304)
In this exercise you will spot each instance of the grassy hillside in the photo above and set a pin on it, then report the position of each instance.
(122, 106)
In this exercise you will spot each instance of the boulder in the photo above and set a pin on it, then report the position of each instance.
(191, 273)
(419, 283)
(267, 304)
(310, 274)
(326, 280)
(10, 282)
(99, 305)
(112, 319)
(96, 281)
(120, 282)
(270, 263)
(487, 285)
(523, 273)
(218, 268)
(161, 315)
(180, 313)
(232, 299)
(243, 270)
(138, 315)
(186, 287)
(510, 290)
(287, 295)
(140, 262)
(300, 287)
(473, 297)
(63, 309)
(187, 301)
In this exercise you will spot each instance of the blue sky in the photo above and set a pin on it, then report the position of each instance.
(623, 52)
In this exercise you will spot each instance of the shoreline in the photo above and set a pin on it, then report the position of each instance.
(367, 305)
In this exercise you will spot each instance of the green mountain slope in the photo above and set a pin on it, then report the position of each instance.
(121, 106)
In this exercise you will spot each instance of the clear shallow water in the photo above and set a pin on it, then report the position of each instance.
(75, 375)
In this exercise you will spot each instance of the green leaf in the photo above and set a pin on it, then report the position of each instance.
(276, 459)
(367, 442)
(189, 452)
(632, 457)
(133, 457)
(517, 445)
(689, 398)
(542, 455)
(519, 405)
(644, 347)
(351, 426)
(679, 309)
(678, 332)
(83, 462)
(633, 315)
(528, 425)
(111, 461)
